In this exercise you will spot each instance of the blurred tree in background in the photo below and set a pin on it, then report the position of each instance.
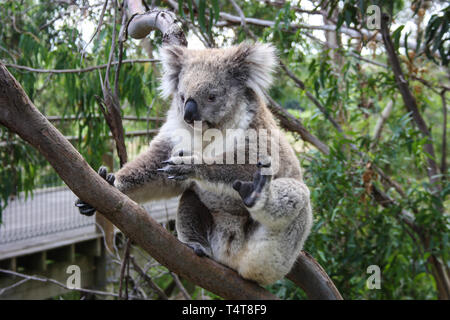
(374, 199)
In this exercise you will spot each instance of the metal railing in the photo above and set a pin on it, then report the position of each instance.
(47, 211)
(51, 210)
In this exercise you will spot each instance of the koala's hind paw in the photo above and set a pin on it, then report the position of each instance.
(85, 208)
(251, 192)
(199, 250)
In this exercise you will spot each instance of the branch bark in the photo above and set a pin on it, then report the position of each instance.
(18, 114)
(140, 23)
(311, 277)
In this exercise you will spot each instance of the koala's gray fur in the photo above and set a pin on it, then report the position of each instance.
(254, 223)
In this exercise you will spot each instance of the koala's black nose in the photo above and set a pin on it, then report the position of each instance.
(191, 113)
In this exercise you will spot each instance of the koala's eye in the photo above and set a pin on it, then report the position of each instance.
(182, 98)
(211, 98)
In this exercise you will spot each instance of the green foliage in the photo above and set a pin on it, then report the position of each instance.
(437, 36)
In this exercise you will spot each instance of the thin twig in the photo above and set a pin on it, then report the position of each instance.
(88, 69)
(241, 14)
(311, 97)
(113, 46)
(380, 123)
(149, 281)
(121, 40)
(125, 261)
(18, 283)
(53, 281)
(99, 25)
(444, 135)
(180, 286)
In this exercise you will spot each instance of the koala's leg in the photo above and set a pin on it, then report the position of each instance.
(275, 202)
(193, 223)
(282, 206)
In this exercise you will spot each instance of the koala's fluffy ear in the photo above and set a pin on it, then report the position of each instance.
(172, 61)
(255, 63)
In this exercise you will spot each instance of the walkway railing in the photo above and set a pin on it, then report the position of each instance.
(51, 210)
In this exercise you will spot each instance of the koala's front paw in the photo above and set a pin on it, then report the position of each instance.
(85, 208)
(180, 167)
(252, 191)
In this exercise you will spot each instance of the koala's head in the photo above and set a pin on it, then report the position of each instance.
(210, 85)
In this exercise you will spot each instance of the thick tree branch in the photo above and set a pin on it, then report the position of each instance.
(305, 274)
(140, 23)
(19, 115)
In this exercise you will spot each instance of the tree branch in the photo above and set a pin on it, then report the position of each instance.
(380, 123)
(291, 123)
(18, 114)
(311, 277)
(140, 23)
(151, 284)
(444, 134)
(27, 278)
(300, 84)
(410, 101)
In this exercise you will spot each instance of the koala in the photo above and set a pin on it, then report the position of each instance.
(245, 215)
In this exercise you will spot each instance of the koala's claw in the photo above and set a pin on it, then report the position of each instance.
(199, 249)
(85, 208)
(102, 171)
(167, 162)
(263, 164)
(177, 177)
(177, 170)
(250, 191)
(110, 178)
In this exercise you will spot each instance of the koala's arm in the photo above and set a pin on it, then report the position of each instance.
(140, 178)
